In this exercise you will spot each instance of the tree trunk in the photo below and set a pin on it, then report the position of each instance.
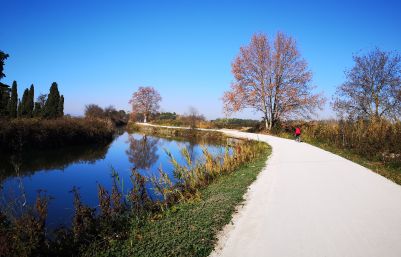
(144, 118)
(267, 124)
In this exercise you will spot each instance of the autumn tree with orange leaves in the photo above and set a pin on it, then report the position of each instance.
(272, 78)
(145, 101)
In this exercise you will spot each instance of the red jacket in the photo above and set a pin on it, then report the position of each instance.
(297, 131)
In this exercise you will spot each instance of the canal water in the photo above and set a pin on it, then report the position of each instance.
(58, 171)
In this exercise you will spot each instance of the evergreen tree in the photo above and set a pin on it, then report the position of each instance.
(53, 100)
(19, 108)
(37, 111)
(4, 99)
(4, 89)
(31, 101)
(60, 110)
(3, 57)
(13, 103)
(24, 105)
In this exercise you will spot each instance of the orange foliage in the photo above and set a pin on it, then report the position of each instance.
(272, 79)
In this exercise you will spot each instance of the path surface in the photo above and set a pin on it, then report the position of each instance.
(309, 202)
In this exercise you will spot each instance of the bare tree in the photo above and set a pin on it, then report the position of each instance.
(272, 79)
(372, 88)
(94, 111)
(193, 117)
(146, 101)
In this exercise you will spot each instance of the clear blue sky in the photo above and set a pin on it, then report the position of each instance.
(101, 52)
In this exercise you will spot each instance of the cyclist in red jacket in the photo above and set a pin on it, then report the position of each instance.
(297, 134)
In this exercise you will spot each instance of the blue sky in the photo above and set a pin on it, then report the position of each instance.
(102, 51)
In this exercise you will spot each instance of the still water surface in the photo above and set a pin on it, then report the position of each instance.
(56, 172)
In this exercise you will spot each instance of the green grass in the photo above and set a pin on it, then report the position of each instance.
(190, 228)
(390, 172)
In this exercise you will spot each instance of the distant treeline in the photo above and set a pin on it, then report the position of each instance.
(119, 117)
(194, 119)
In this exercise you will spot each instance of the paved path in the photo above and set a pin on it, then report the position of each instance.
(309, 202)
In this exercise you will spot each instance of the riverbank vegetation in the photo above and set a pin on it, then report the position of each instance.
(21, 134)
(189, 134)
(183, 219)
(41, 124)
(118, 118)
(193, 119)
(373, 144)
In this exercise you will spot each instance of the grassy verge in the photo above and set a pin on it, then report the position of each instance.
(388, 171)
(190, 228)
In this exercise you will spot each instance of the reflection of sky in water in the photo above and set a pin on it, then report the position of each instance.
(85, 175)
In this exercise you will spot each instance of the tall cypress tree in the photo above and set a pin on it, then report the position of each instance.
(31, 101)
(13, 103)
(19, 108)
(53, 100)
(4, 99)
(60, 110)
(24, 106)
(4, 89)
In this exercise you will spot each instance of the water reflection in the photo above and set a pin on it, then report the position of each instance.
(142, 153)
(28, 162)
(85, 167)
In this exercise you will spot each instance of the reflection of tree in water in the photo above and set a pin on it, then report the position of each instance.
(28, 162)
(142, 152)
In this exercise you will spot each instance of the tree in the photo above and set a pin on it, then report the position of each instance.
(193, 117)
(272, 79)
(60, 107)
(23, 108)
(13, 103)
(41, 100)
(4, 99)
(39, 105)
(94, 111)
(31, 101)
(3, 57)
(4, 89)
(53, 100)
(372, 88)
(145, 101)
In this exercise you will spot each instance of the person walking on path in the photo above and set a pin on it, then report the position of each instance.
(297, 134)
